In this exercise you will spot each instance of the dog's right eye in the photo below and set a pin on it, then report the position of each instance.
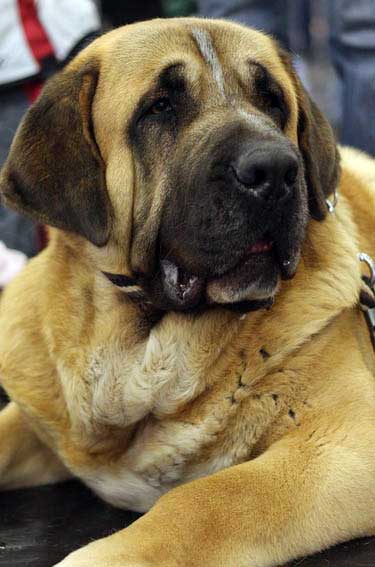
(161, 106)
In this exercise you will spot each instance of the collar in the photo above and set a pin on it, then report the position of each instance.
(120, 280)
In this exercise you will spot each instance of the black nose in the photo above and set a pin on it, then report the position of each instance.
(267, 172)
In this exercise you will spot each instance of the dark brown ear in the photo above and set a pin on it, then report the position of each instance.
(54, 172)
(318, 147)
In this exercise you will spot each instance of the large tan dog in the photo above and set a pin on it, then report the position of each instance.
(187, 172)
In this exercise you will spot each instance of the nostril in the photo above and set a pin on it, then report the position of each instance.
(291, 175)
(256, 177)
(252, 177)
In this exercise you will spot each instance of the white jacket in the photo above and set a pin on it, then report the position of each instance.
(65, 23)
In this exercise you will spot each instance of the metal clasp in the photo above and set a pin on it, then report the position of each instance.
(331, 205)
(363, 257)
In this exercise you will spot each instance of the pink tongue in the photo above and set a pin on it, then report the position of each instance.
(259, 247)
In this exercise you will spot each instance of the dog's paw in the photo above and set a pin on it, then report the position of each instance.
(142, 544)
(106, 552)
(81, 558)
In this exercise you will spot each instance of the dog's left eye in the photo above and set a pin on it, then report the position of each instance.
(270, 96)
(161, 106)
(276, 107)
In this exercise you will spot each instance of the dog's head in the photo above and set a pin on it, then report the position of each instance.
(188, 156)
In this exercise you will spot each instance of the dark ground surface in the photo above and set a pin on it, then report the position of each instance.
(38, 527)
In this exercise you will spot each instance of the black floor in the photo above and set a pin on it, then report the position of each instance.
(38, 527)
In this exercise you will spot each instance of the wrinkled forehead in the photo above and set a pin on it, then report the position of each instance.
(138, 52)
(211, 55)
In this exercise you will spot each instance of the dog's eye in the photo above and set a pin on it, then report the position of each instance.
(275, 107)
(161, 106)
(270, 95)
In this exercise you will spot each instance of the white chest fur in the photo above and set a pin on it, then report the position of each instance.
(158, 460)
(146, 386)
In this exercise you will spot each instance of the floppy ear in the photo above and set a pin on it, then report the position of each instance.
(318, 147)
(54, 172)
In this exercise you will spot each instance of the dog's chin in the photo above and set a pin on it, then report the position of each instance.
(249, 285)
(255, 280)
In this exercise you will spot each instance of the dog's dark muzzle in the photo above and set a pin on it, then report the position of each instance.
(235, 220)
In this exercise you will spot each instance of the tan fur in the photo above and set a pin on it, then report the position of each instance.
(283, 400)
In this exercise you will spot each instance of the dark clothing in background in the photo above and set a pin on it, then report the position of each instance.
(120, 13)
(16, 231)
(352, 31)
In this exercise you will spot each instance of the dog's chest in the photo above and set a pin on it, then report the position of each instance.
(164, 454)
(161, 457)
(177, 411)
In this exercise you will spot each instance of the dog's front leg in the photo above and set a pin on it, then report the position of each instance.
(305, 493)
(24, 460)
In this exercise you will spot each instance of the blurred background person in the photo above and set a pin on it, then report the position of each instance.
(36, 39)
(352, 34)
